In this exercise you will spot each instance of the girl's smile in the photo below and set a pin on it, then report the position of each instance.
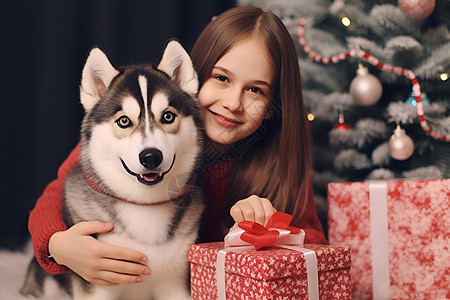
(224, 121)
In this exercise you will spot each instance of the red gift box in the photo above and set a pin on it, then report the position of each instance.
(269, 273)
(399, 235)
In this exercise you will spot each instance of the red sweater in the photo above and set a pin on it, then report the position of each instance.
(46, 217)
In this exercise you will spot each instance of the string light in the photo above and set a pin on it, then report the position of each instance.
(444, 76)
(310, 117)
(345, 21)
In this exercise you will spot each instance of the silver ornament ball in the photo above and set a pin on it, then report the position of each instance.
(401, 146)
(365, 88)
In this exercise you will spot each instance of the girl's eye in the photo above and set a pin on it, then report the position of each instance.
(256, 90)
(168, 117)
(221, 78)
(124, 122)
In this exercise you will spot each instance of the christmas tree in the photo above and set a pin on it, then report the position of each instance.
(375, 81)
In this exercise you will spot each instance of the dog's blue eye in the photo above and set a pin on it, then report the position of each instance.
(123, 122)
(168, 117)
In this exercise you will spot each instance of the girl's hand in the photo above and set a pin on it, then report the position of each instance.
(96, 261)
(253, 208)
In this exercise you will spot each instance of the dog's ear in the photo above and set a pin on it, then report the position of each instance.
(176, 63)
(97, 75)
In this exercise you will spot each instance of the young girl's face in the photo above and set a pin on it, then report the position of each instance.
(235, 97)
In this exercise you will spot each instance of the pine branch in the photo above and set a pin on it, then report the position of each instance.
(381, 174)
(437, 62)
(430, 172)
(381, 156)
(350, 159)
(366, 132)
(388, 20)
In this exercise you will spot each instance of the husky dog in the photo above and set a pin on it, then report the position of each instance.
(141, 139)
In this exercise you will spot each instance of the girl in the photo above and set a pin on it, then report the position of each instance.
(258, 150)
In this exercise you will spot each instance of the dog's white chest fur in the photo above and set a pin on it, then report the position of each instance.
(147, 224)
(165, 250)
(151, 228)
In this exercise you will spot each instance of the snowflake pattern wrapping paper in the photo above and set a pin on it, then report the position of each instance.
(270, 273)
(417, 238)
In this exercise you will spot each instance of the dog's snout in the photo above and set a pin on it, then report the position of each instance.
(151, 158)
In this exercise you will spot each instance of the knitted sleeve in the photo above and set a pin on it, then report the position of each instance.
(311, 225)
(46, 217)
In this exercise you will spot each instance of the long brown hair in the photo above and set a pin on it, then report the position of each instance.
(276, 160)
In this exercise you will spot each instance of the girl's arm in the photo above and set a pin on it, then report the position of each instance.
(311, 225)
(260, 210)
(46, 217)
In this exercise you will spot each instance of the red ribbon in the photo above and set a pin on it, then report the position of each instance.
(265, 236)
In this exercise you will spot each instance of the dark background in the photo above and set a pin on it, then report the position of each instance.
(44, 45)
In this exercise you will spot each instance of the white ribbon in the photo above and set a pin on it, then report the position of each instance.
(311, 271)
(379, 240)
(286, 240)
(220, 269)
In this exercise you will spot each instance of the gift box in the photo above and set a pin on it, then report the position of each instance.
(398, 232)
(269, 273)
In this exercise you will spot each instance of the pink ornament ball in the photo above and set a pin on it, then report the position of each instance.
(365, 88)
(401, 146)
(417, 9)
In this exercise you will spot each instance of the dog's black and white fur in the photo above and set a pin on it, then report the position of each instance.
(141, 138)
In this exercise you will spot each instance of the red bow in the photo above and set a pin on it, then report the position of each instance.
(266, 236)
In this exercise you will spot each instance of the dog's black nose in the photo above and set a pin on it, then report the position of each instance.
(150, 158)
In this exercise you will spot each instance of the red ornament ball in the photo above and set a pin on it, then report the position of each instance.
(417, 9)
(341, 125)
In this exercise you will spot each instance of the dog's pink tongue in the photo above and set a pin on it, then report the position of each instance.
(150, 176)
